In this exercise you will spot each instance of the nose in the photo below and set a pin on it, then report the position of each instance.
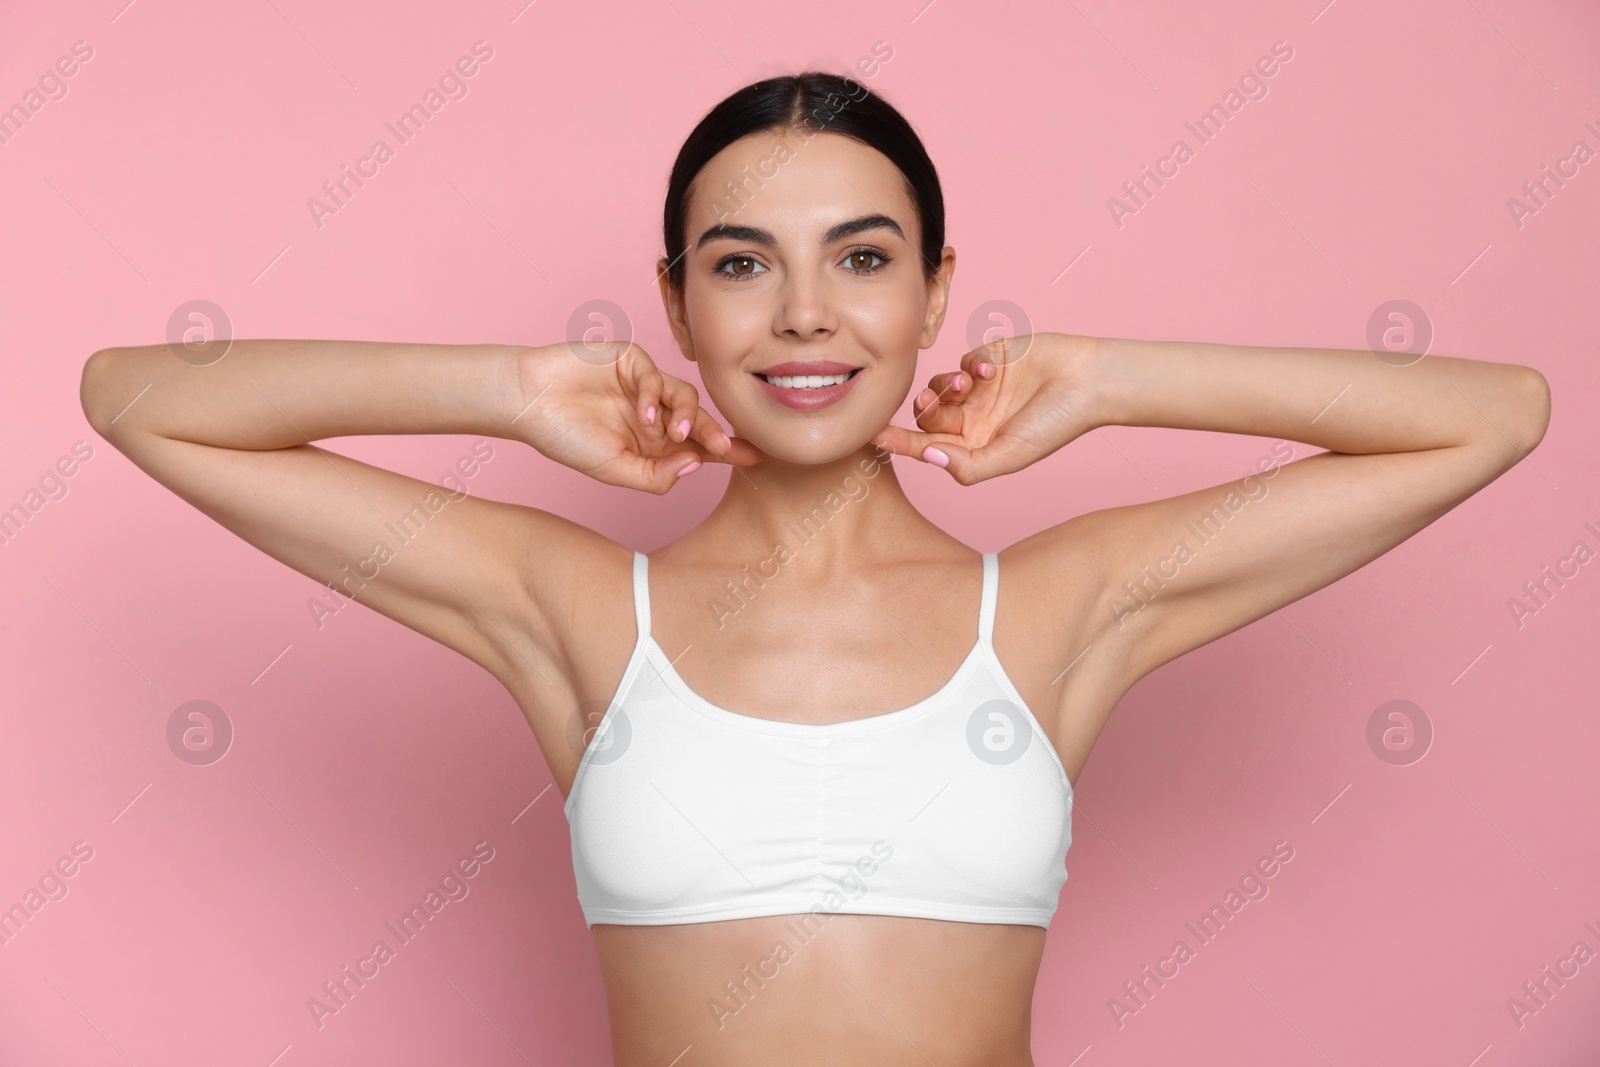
(805, 307)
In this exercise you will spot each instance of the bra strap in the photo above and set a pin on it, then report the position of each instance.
(641, 594)
(991, 589)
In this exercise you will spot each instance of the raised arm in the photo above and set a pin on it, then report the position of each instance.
(1405, 444)
(233, 439)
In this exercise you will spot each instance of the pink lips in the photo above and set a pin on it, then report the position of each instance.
(808, 399)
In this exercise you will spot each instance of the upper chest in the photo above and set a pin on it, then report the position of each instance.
(776, 644)
(793, 651)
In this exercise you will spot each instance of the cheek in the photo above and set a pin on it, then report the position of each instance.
(888, 329)
(723, 328)
(890, 326)
(892, 319)
(883, 325)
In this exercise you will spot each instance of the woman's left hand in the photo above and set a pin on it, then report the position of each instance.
(1013, 402)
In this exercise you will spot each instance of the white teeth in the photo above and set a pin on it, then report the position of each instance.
(807, 381)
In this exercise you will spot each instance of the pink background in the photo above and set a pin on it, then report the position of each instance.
(367, 759)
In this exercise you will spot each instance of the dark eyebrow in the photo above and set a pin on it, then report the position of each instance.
(758, 236)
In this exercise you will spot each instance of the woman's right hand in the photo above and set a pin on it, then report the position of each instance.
(607, 410)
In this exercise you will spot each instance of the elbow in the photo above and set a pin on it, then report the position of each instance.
(1535, 409)
(95, 387)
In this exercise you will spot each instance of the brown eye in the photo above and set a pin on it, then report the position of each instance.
(748, 264)
(860, 261)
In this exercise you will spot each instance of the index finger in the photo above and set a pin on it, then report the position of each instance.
(683, 400)
(706, 435)
(1000, 352)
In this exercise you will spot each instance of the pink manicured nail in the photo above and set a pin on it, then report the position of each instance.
(690, 469)
(933, 455)
(981, 368)
(683, 427)
(650, 415)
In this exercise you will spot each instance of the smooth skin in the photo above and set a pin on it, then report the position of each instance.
(877, 611)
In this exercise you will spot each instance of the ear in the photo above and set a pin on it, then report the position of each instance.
(938, 298)
(672, 301)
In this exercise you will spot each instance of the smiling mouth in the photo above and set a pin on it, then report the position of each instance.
(807, 381)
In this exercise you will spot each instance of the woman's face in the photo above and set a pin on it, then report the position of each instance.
(810, 256)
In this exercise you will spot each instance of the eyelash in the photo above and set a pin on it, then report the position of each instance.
(879, 253)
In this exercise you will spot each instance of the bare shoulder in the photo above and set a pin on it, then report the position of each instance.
(1052, 638)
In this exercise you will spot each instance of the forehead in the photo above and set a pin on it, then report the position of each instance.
(783, 181)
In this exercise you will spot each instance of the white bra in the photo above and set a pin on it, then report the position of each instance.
(956, 807)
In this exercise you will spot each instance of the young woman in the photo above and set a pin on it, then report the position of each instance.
(817, 753)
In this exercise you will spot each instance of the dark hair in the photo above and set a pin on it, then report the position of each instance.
(816, 102)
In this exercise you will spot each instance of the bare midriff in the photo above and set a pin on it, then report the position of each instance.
(840, 989)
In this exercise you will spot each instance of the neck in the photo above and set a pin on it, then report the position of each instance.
(827, 515)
